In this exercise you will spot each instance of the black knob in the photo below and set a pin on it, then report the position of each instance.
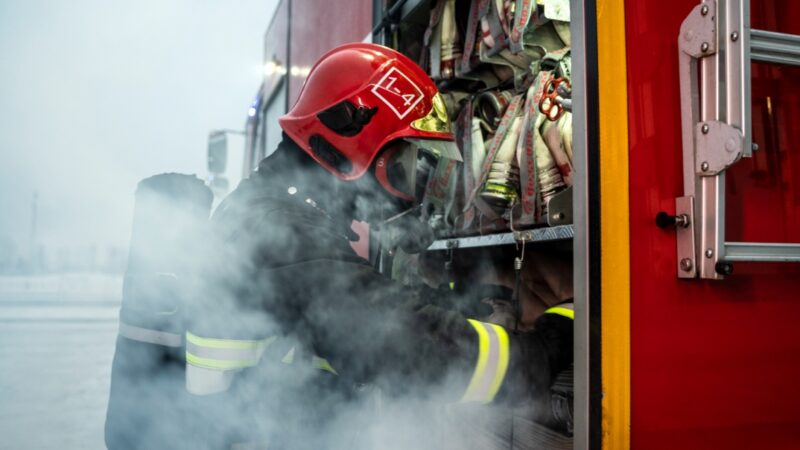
(724, 268)
(664, 220)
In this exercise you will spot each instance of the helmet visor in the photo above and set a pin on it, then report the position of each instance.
(409, 164)
(438, 148)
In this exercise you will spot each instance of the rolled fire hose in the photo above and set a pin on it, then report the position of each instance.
(451, 47)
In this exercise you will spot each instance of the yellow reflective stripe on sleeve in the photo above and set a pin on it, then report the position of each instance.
(219, 364)
(225, 343)
(224, 354)
(492, 363)
(561, 311)
(323, 364)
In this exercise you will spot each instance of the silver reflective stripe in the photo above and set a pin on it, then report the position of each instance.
(150, 336)
(203, 381)
(490, 369)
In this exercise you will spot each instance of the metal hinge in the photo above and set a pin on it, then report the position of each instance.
(717, 146)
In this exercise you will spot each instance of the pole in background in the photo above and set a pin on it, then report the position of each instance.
(32, 259)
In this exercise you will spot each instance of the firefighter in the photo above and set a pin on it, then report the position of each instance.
(290, 323)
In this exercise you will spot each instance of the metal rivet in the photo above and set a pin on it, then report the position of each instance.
(292, 190)
(704, 166)
(686, 265)
(735, 36)
(558, 216)
(704, 10)
(754, 146)
(709, 253)
(704, 128)
(704, 47)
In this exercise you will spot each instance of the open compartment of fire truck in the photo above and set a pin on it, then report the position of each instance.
(503, 216)
(504, 69)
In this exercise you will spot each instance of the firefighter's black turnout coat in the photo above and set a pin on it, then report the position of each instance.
(282, 271)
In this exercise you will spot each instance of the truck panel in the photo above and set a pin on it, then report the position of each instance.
(276, 48)
(317, 27)
(713, 363)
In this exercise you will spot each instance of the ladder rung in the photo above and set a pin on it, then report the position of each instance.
(772, 47)
(762, 251)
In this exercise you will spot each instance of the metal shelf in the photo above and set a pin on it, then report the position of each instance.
(545, 234)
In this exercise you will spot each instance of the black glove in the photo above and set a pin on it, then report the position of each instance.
(537, 359)
(408, 233)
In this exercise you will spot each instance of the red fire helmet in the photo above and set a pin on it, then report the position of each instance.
(359, 97)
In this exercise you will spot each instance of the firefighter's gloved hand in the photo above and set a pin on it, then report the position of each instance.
(537, 357)
(495, 300)
(407, 233)
(502, 312)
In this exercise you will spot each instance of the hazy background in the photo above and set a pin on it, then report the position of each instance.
(96, 95)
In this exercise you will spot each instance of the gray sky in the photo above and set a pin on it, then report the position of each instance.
(98, 94)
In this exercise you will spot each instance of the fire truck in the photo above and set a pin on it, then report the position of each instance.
(669, 180)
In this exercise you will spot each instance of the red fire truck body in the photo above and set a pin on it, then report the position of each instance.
(671, 352)
(713, 363)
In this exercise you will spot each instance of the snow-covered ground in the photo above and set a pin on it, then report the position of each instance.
(57, 336)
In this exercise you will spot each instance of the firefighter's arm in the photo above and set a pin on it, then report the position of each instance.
(375, 329)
